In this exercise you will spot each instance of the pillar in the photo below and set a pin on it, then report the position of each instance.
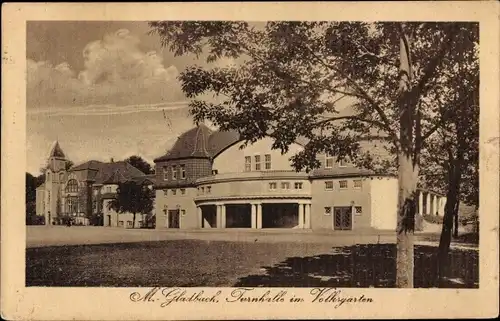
(428, 204)
(199, 213)
(420, 203)
(435, 208)
(218, 216)
(301, 215)
(254, 215)
(223, 216)
(307, 216)
(442, 206)
(259, 215)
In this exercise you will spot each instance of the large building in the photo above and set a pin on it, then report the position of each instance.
(83, 192)
(207, 181)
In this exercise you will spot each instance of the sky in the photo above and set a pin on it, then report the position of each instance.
(100, 89)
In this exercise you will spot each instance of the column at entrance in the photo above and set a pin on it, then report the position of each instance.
(420, 203)
(223, 216)
(301, 215)
(428, 204)
(259, 215)
(254, 215)
(200, 216)
(307, 216)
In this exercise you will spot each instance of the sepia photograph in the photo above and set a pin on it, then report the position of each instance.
(207, 161)
(261, 154)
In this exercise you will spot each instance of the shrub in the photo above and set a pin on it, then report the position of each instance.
(36, 220)
(435, 219)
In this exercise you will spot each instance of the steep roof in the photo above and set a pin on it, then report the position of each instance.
(192, 143)
(56, 151)
(110, 173)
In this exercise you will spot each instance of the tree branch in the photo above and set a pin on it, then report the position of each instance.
(356, 118)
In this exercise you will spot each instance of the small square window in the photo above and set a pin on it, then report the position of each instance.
(215, 172)
(328, 210)
(183, 191)
(174, 192)
(183, 212)
(358, 210)
(329, 185)
(165, 192)
(203, 190)
(298, 185)
(285, 185)
(272, 186)
(358, 183)
(343, 184)
(120, 223)
(129, 223)
(209, 189)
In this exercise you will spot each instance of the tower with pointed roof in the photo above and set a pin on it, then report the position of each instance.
(55, 176)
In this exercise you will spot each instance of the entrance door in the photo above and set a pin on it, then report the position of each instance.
(342, 218)
(108, 220)
(173, 218)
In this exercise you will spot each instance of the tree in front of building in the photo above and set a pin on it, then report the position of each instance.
(132, 198)
(139, 163)
(296, 79)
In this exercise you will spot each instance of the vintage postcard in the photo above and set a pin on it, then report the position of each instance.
(250, 160)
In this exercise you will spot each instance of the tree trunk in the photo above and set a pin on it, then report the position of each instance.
(407, 198)
(455, 216)
(452, 199)
(133, 221)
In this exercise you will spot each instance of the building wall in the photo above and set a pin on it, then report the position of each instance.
(165, 202)
(40, 201)
(337, 197)
(195, 168)
(384, 202)
(115, 217)
(232, 160)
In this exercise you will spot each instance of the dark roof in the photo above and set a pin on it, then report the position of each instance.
(145, 179)
(56, 151)
(108, 173)
(202, 142)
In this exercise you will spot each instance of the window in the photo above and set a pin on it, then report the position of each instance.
(342, 163)
(267, 159)
(72, 186)
(94, 206)
(165, 173)
(342, 184)
(358, 183)
(48, 197)
(209, 188)
(203, 190)
(328, 185)
(285, 185)
(165, 209)
(183, 212)
(120, 223)
(358, 210)
(129, 223)
(257, 162)
(165, 192)
(174, 192)
(48, 176)
(215, 172)
(183, 172)
(298, 185)
(174, 172)
(183, 191)
(328, 161)
(61, 177)
(272, 186)
(248, 163)
(328, 211)
(108, 189)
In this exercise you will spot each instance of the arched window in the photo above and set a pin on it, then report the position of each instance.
(72, 186)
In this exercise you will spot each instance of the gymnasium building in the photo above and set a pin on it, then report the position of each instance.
(207, 181)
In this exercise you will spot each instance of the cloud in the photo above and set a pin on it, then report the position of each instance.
(116, 71)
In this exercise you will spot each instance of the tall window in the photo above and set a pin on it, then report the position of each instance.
(272, 186)
(342, 184)
(248, 163)
(165, 173)
(268, 161)
(183, 191)
(61, 177)
(174, 172)
(342, 163)
(328, 161)
(72, 186)
(257, 162)
(183, 172)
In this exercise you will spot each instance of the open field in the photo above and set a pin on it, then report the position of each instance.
(218, 258)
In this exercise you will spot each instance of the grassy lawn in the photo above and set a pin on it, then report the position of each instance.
(218, 263)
